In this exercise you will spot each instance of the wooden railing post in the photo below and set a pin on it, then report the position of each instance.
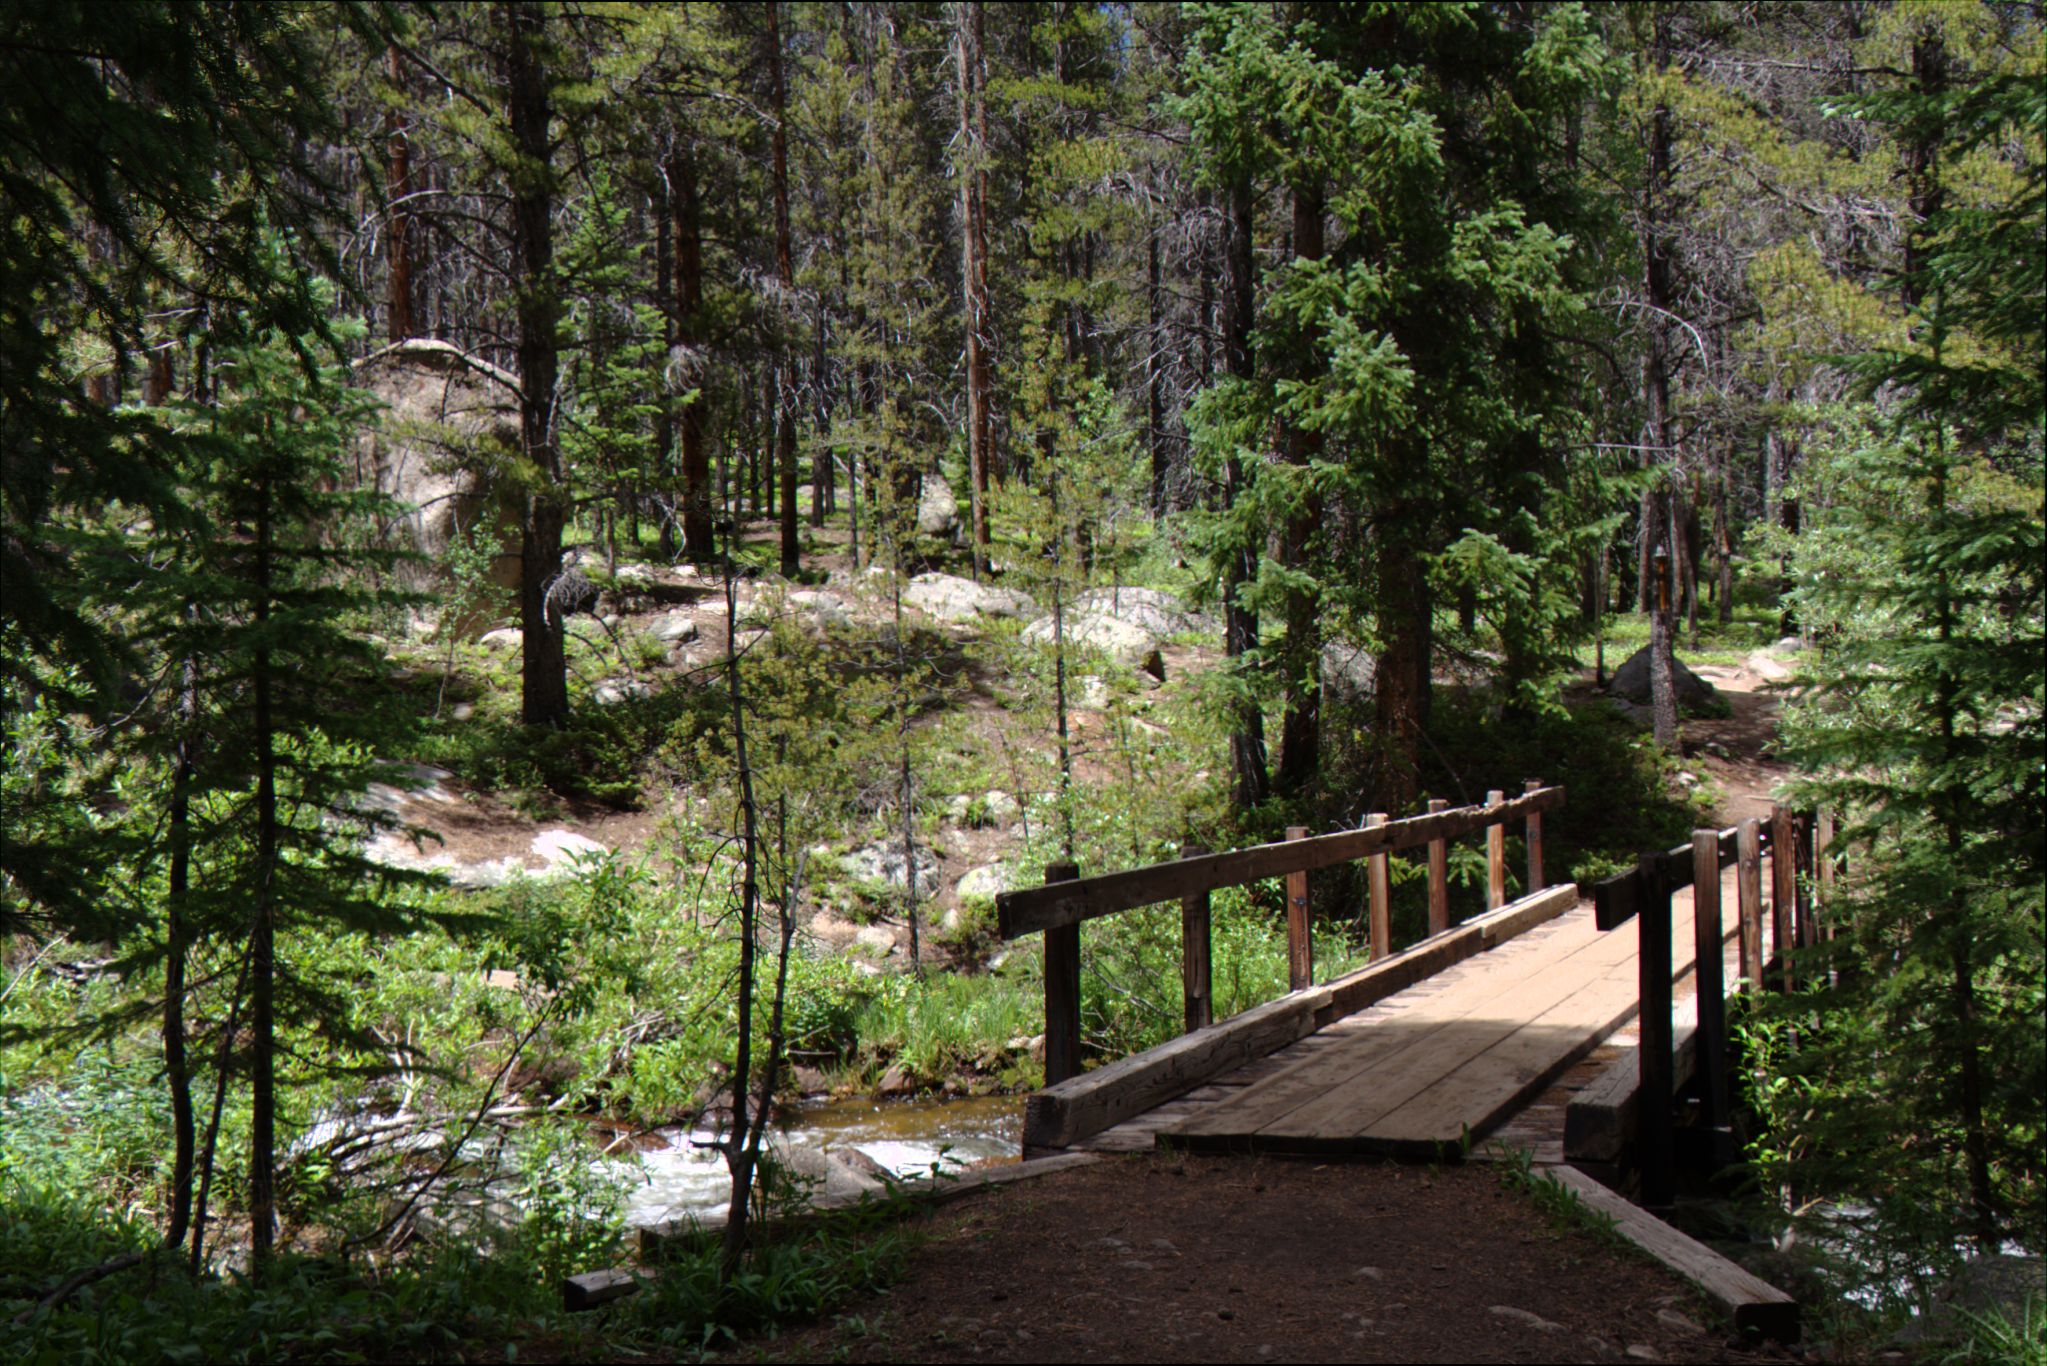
(1195, 958)
(1495, 857)
(1062, 990)
(1300, 948)
(1379, 874)
(1708, 946)
(1783, 886)
(1748, 892)
(1439, 875)
(1534, 839)
(1658, 1185)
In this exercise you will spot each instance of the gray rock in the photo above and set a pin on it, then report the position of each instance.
(1631, 681)
(613, 691)
(674, 628)
(564, 848)
(826, 609)
(1524, 1318)
(1002, 808)
(983, 883)
(1148, 609)
(938, 512)
(1090, 693)
(882, 862)
(879, 940)
(504, 638)
(952, 598)
(447, 415)
(1347, 671)
(1765, 664)
(1120, 640)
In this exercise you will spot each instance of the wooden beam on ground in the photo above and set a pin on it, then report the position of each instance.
(1063, 1114)
(1029, 910)
(1754, 1306)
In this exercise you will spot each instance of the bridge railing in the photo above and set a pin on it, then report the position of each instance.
(1802, 867)
(1058, 908)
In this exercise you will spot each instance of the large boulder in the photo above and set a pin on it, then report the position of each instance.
(1347, 670)
(1631, 681)
(1122, 641)
(952, 598)
(450, 421)
(938, 512)
(882, 861)
(1148, 609)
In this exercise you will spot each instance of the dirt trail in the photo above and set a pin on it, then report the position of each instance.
(1164, 1258)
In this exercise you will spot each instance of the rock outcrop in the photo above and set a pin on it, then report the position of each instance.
(1631, 681)
(449, 420)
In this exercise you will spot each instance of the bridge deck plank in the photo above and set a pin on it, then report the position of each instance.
(1420, 1073)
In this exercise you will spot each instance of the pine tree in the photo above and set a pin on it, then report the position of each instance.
(1923, 718)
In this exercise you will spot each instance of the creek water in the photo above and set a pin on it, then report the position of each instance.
(686, 1178)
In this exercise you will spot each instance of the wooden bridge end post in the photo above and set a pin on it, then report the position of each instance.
(1653, 961)
(1062, 990)
(1783, 886)
(1495, 856)
(1535, 880)
(1300, 947)
(1709, 949)
(1748, 892)
(1439, 875)
(1380, 877)
(1196, 960)
(1807, 913)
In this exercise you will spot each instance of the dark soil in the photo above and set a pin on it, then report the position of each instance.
(1159, 1257)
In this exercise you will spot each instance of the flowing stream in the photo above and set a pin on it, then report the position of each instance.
(686, 1179)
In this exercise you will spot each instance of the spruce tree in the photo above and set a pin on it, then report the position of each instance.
(1922, 718)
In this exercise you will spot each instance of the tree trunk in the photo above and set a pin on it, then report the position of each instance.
(1656, 511)
(785, 273)
(544, 687)
(1154, 379)
(1401, 686)
(1300, 745)
(1240, 623)
(697, 494)
(177, 1073)
(399, 319)
(740, 1153)
(262, 944)
(973, 135)
(664, 423)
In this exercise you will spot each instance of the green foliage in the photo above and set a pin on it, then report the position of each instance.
(1919, 1086)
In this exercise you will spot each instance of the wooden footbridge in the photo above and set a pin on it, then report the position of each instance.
(1562, 1025)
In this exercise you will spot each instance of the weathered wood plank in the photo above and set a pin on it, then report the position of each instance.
(1783, 886)
(1532, 839)
(1476, 1095)
(594, 1288)
(1029, 910)
(1653, 977)
(1748, 891)
(1599, 1123)
(1196, 962)
(1709, 970)
(1495, 855)
(1754, 1306)
(1410, 1055)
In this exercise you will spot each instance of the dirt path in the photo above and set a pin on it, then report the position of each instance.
(1164, 1258)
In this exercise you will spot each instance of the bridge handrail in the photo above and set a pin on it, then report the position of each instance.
(1030, 910)
(1057, 909)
